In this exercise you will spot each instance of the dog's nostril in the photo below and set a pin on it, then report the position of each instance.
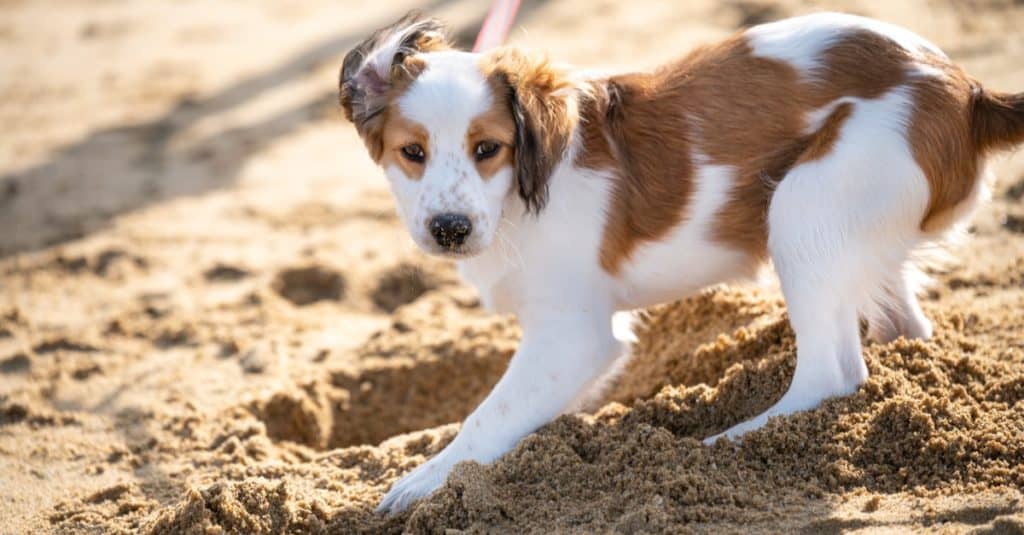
(450, 230)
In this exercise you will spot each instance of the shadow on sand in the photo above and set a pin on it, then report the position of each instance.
(84, 185)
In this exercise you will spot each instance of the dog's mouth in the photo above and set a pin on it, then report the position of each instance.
(459, 252)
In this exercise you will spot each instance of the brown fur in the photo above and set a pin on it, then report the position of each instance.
(940, 138)
(956, 123)
(997, 119)
(653, 185)
(497, 125)
(398, 132)
(819, 144)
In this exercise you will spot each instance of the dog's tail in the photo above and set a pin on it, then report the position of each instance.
(997, 119)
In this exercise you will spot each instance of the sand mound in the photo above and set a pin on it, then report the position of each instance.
(401, 285)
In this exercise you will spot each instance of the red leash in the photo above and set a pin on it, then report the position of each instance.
(496, 25)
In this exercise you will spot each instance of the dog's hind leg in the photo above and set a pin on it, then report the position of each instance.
(829, 363)
(839, 228)
(898, 312)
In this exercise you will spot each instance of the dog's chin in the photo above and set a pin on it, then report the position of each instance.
(460, 252)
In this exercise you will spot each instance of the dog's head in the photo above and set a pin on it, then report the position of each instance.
(456, 133)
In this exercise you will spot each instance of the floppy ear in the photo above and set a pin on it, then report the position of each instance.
(539, 100)
(380, 64)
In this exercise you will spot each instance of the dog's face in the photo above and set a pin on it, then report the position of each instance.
(448, 143)
(456, 133)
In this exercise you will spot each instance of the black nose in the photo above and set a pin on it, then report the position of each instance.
(450, 230)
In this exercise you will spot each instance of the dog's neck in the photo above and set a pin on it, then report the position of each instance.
(488, 271)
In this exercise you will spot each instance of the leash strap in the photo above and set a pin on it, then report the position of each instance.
(496, 25)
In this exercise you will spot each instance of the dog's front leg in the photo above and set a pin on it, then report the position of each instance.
(565, 347)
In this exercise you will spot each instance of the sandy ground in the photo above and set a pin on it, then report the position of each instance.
(211, 320)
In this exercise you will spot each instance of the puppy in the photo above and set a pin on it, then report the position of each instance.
(832, 145)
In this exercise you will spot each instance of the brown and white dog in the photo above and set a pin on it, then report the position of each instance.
(833, 145)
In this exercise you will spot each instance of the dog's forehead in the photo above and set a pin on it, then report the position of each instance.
(449, 93)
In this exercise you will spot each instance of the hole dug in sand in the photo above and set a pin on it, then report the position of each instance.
(401, 285)
(307, 285)
(225, 273)
(409, 379)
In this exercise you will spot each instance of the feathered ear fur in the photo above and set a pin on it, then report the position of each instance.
(540, 101)
(379, 65)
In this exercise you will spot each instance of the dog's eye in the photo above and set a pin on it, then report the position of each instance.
(486, 149)
(414, 153)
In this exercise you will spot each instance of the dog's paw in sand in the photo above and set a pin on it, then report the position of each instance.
(806, 392)
(736, 432)
(423, 480)
(710, 441)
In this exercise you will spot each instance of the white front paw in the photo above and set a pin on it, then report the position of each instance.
(737, 431)
(729, 434)
(423, 480)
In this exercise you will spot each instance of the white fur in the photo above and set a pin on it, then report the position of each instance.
(841, 232)
(800, 41)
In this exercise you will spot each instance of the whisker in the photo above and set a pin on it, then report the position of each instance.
(508, 244)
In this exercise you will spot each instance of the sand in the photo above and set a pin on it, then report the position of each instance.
(211, 320)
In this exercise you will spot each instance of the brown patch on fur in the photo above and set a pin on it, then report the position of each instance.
(536, 97)
(956, 123)
(431, 42)
(822, 141)
(398, 132)
(496, 125)
(940, 138)
(748, 113)
(862, 64)
(404, 74)
(595, 150)
(654, 180)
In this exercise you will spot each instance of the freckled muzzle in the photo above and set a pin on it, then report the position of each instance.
(450, 230)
